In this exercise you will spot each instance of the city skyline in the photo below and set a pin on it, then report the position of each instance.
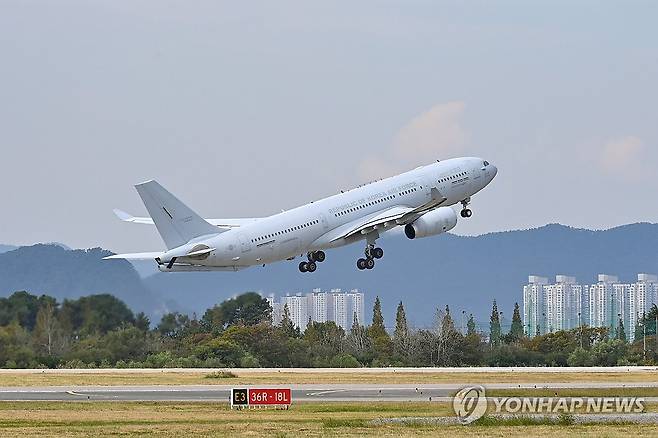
(343, 308)
(567, 304)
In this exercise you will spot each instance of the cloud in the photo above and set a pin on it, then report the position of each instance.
(435, 134)
(624, 157)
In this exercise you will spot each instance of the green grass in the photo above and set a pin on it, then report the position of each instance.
(524, 420)
(200, 419)
(334, 422)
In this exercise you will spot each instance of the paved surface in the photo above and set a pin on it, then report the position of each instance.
(323, 392)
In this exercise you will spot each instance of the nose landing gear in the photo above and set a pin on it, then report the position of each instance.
(466, 212)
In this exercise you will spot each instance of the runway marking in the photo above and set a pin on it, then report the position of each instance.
(329, 391)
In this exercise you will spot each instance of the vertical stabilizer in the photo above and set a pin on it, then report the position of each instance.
(175, 221)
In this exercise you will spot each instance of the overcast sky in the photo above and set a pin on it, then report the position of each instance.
(246, 108)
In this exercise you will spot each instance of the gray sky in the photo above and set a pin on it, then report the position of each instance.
(245, 108)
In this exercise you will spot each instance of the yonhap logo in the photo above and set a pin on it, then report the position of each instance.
(469, 404)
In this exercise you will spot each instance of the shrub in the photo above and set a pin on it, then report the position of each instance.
(221, 375)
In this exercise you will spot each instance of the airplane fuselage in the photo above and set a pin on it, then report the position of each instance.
(321, 224)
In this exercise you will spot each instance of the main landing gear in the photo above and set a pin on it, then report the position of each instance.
(466, 212)
(371, 254)
(314, 258)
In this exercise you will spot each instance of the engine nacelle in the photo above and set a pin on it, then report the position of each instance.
(434, 222)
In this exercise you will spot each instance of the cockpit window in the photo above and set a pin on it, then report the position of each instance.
(486, 163)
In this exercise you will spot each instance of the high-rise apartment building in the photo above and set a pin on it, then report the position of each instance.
(566, 304)
(533, 306)
(317, 306)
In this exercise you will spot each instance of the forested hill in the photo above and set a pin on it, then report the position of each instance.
(62, 273)
(464, 272)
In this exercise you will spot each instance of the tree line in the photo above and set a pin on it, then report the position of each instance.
(101, 331)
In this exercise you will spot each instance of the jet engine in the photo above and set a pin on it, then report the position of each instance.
(434, 222)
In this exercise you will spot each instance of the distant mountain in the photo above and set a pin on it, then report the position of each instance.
(465, 272)
(5, 248)
(56, 271)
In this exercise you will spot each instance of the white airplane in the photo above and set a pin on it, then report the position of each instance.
(418, 200)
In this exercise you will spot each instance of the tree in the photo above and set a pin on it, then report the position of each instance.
(448, 341)
(246, 309)
(401, 334)
(639, 328)
(447, 325)
(21, 307)
(172, 324)
(377, 332)
(516, 331)
(358, 343)
(471, 329)
(142, 322)
(325, 341)
(609, 353)
(97, 314)
(46, 326)
(126, 343)
(401, 329)
(620, 332)
(494, 325)
(288, 327)
(579, 358)
(377, 328)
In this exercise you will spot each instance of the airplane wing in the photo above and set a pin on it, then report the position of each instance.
(389, 218)
(385, 219)
(221, 223)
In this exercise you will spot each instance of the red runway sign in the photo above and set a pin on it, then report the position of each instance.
(270, 396)
(245, 397)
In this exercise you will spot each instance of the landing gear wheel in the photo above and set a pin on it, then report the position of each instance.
(320, 256)
(303, 267)
(311, 266)
(370, 263)
(378, 253)
(466, 213)
(361, 264)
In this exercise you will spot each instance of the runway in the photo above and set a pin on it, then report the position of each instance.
(300, 393)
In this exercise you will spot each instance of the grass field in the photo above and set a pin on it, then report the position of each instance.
(99, 419)
(576, 392)
(126, 377)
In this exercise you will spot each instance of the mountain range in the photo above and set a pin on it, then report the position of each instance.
(5, 248)
(467, 273)
(54, 270)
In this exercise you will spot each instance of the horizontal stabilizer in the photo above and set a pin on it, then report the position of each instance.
(126, 217)
(220, 223)
(136, 256)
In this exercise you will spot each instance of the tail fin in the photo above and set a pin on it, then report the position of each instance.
(175, 221)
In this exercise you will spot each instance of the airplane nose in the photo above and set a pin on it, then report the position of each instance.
(494, 171)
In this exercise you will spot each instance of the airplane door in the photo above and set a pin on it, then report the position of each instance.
(323, 220)
(245, 243)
